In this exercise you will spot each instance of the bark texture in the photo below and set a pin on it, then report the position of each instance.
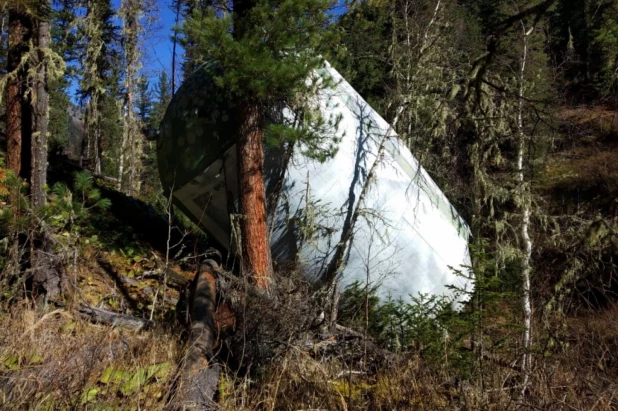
(256, 258)
(252, 193)
(17, 107)
(101, 316)
(131, 145)
(524, 201)
(40, 112)
(46, 272)
(199, 379)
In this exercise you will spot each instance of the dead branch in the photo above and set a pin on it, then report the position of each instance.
(175, 279)
(102, 316)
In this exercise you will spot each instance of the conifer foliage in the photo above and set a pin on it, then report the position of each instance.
(265, 51)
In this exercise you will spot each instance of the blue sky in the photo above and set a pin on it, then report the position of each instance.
(158, 45)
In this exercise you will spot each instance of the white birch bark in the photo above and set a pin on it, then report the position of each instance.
(524, 205)
(123, 147)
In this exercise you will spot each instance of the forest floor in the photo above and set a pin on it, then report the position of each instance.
(52, 357)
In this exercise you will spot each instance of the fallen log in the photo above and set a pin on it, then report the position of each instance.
(199, 378)
(99, 315)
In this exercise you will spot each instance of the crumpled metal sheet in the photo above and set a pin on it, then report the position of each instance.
(409, 238)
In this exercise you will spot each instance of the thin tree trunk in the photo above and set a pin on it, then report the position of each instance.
(337, 262)
(174, 42)
(136, 169)
(40, 116)
(130, 130)
(123, 147)
(94, 48)
(252, 194)
(97, 144)
(524, 202)
(130, 12)
(93, 132)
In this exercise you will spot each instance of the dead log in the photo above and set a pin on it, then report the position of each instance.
(199, 378)
(102, 316)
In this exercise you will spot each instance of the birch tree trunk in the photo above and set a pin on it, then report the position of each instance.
(524, 205)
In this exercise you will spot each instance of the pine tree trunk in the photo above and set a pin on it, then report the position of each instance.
(17, 110)
(252, 194)
(199, 375)
(256, 258)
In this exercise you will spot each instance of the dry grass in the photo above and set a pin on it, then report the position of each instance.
(62, 362)
(56, 360)
(277, 360)
(52, 358)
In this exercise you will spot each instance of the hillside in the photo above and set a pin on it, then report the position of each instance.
(54, 355)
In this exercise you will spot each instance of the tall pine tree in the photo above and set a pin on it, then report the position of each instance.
(265, 50)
